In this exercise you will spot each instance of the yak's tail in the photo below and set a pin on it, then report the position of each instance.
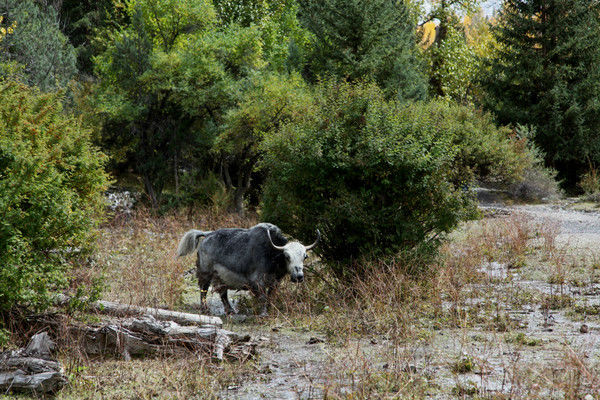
(189, 242)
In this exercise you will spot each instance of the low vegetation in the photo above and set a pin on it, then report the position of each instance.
(386, 331)
(334, 115)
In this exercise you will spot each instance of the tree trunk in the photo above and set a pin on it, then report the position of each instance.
(238, 200)
(244, 175)
(150, 191)
(176, 170)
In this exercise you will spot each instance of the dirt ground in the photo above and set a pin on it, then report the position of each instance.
(544, 343)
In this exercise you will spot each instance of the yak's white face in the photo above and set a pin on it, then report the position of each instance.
(295, 254)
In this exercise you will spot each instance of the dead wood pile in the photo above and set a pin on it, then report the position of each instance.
(32, 368)
(151, 332)
(145, 336)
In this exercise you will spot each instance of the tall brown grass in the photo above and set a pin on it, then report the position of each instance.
(387, 302)
(136, 254)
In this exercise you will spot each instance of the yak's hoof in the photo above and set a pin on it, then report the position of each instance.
(204, 308)
(230, 311)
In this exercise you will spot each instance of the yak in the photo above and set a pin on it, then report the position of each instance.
(254, 259)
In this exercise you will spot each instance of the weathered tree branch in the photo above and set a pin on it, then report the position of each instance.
(121, 310)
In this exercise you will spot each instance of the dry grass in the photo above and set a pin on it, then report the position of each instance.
(150, 379)
(137, 254)
(385, 301)
(387, 304)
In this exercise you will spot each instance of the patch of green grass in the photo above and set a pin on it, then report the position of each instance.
(463, 365)
(557, 301)
(587, 309)
(522, 339)
(469, 389)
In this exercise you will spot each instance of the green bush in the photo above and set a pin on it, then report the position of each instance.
(537, 182)
(482, 151)
(51, 185)
(371, 179)
(379, 177)
(47, 58)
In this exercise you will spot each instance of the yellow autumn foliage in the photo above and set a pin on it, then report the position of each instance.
(427, 33)
(6, 31)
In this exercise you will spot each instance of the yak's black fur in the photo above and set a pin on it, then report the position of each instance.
(235, 258)
(243, 250)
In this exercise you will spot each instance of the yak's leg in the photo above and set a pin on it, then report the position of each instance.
(262, 294)
(203, 285)
(226, 304)
(204, 274)
(267, 299)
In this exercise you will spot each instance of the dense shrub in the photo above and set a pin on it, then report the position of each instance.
(537, 182)
(482, 151)
(370, 179)
(377, 177)
(51, 185)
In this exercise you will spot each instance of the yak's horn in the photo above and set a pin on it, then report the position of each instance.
(273, 244)
(315, 243)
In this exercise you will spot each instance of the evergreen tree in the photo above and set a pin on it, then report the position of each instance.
(82, 19)
(547, 75)
(365, 39)
(52, 182)
(38, 46)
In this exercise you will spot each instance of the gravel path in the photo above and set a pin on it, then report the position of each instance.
(576, 228)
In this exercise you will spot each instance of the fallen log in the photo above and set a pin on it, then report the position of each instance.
(117, 309)
(32, 368)
(125, 310)
(145, 336)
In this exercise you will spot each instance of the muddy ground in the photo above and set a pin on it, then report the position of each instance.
(543, 330)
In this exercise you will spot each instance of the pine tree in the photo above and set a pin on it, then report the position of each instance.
(365, 39)
(547, 75)
(44, 53)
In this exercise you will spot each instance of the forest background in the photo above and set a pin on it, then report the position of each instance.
(370, 120)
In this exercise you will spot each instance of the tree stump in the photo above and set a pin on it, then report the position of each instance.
(31, 369)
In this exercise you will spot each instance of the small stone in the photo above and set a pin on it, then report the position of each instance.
(374, 341)
(411, 369)
(315, 340)
(584, 329)
(588, 397)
